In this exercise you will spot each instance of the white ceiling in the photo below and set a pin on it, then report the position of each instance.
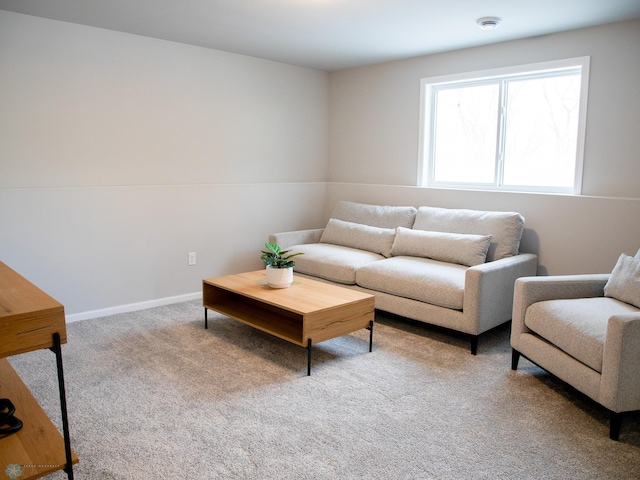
(331, 34)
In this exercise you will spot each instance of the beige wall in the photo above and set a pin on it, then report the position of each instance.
(119, 154)
(374, 111)
(84, 106)
(374, 141)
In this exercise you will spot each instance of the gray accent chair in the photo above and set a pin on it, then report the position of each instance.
(570, 328)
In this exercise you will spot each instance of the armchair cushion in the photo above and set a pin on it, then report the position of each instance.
(624, 282)
(577, 326)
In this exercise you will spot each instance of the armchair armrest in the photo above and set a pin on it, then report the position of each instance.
(620, 384)
(488, 291)
(530, 290)
(298, 237)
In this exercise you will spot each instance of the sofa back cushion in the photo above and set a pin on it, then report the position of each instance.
(374, 215)
(505, 228)
(356, 235)
(461, 248)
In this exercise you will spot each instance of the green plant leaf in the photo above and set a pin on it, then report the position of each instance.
(275, 256)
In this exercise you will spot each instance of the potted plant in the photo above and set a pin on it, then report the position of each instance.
(279, 265)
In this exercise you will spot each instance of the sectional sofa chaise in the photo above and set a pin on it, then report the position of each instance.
(454, 268)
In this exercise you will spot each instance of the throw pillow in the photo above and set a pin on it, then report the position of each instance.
(624, 281)
(463, 249)
(356, 235)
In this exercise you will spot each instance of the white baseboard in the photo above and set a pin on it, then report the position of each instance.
(132, 307)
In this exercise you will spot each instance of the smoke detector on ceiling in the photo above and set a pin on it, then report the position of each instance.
(489, 23)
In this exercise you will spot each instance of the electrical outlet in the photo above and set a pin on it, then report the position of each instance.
(192, 258)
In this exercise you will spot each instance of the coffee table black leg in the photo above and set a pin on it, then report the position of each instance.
(309, 358)
(57, 349)
(206, 323)
(371, 336)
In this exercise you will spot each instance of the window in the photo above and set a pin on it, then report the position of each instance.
(519, 128)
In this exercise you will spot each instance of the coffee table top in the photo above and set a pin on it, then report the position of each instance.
(303, 296)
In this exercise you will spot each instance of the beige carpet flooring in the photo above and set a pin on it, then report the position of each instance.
(152, 395)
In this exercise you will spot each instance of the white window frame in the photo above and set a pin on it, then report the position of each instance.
(427, 127)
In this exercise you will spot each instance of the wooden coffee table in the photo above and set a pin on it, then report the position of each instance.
(307, 312)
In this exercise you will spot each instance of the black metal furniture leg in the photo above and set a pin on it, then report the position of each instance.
(515, 357)
(615, 423)
(309, 358)
(474, 344)
(371, 336)
(206, 320)
(57, 349)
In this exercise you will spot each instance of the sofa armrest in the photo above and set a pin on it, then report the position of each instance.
(620, 384)
(298, 237)
(488, 291)
(530, 290)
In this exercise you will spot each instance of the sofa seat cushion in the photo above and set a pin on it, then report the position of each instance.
(576, 326)
(426, 280)
(332, 262)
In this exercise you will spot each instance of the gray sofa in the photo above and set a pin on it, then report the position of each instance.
(453, 268)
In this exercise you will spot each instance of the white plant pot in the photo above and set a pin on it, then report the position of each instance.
(279, 277)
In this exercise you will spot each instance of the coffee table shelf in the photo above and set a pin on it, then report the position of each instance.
(280, 323)
(307, 312)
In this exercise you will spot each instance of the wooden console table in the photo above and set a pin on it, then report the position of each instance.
(31, 320)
